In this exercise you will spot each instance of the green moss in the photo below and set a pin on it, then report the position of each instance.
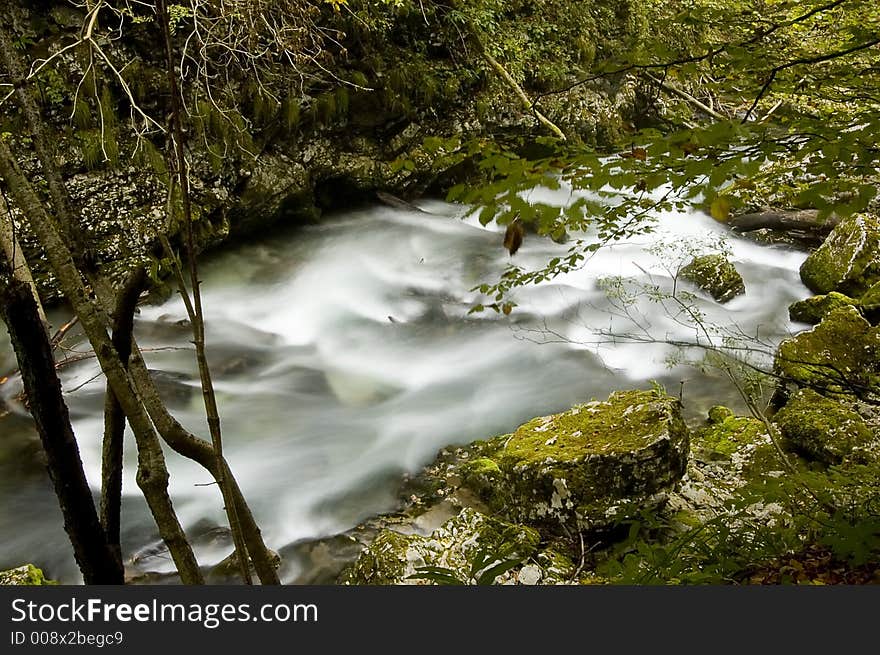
(839, 355)
(148, 155)
(578, 463)
(849, 259)
(813, 309)
(870, 300)
(291, 111)
(718, 413)
(480, 467)
(470, 536)
(383, 562)
(822, 428)
(26, 575)
(723, 439)
(716, 275)
(625, 422)
(557, 563)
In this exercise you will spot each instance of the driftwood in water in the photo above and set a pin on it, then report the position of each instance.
(785, 220)
(797, 227)
(399, 203)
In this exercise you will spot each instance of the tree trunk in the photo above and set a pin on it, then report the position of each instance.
(786, 220)
(114, 417)
(10, 247)
(152, 473)
(97, 561)
(64, 263)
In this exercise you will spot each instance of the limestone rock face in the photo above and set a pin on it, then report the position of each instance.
(715, 275)
(589, 466)
(849, 259)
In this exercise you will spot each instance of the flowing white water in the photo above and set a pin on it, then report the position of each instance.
(344, 355)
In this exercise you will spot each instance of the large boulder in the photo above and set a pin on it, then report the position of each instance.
(588, 467)
(463, 549)
(840, 355)
(27, 575)
(715, 275)
(821, 428)
(849, 259)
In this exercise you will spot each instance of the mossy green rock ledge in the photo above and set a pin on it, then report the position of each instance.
(849, 259)
(394, 558)
(841, 355)
(588, 467)
(813, 309)
(27, 575)
(715, 275)
(823, 429)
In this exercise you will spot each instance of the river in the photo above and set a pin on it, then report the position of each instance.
(344, 356)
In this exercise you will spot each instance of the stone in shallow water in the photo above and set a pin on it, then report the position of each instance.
(588, 467)
(715, 275)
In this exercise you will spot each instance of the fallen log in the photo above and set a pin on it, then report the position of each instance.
(785, 220)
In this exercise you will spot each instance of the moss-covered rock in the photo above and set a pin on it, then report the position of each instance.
(393, 558)
(588, 466)
(27, 574)
(813, 309)
(870, 303)
(715, 275)
(718, 413)
(557, 564)
(821, 428)
(839, 355)
(849, 259)
(721, 439)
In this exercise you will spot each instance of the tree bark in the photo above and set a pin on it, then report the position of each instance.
(152, 473)
(114, 417)
(67, 253)
(96, 559)
(784, 220)
(10, 247)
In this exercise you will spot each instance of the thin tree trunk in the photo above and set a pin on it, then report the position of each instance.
(114, 417)
(10, 247)
(194, 306)
(185, 443)
(527, 104)
(95, 557)
(180, 440)
(152, 473)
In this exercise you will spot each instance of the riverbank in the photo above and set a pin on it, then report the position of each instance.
(327, 402)
(282, 152)
(611, 492)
